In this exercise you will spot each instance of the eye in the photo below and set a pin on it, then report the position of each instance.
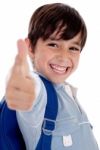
(52, 45)
(74, 48)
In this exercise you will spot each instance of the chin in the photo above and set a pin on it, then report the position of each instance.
(57, 81)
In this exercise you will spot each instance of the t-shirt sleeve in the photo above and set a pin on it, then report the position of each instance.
(34, 116)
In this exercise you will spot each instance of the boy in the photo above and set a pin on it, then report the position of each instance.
(57, 35)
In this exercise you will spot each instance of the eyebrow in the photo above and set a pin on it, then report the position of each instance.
(78, 43)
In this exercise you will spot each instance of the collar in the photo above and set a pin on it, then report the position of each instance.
(73, 89)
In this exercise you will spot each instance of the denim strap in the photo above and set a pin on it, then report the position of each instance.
(51, 111)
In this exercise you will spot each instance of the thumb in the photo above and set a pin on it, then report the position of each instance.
(22, 51)
(21, 64)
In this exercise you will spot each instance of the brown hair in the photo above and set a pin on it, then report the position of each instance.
(57, 16)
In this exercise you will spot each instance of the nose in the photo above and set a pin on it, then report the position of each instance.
(64, 53)
(64, 56)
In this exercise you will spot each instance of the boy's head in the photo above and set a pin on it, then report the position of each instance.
(57, 34)
(56, 17)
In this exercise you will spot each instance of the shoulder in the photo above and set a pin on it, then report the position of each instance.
(71, 89)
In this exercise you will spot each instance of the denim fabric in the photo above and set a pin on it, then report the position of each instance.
(73, 131)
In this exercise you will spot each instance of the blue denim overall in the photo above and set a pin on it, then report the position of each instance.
(71, 129)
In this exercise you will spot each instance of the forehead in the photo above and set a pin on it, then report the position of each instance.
(62, 33)
(56, 37)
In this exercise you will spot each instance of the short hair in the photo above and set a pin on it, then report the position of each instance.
(56, 16)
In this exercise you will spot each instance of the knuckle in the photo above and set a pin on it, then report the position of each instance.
(31, 98)
(26, 106)
(9, 97)
(11, 105)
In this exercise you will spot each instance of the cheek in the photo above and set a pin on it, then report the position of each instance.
(76, 62)
(40, 60)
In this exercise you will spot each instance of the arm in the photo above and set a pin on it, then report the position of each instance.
(34, 116)
(25, 91)
(26, 94)
(20, 89)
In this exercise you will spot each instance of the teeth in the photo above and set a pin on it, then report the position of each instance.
(58, 69)
(61, 68)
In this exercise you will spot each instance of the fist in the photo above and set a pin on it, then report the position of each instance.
(20, 88)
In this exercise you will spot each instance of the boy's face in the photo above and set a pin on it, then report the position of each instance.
(57, 59)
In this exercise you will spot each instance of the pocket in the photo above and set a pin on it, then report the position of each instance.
(66, 135)
(70, 134)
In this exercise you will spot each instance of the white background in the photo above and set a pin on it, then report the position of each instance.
(14, 19)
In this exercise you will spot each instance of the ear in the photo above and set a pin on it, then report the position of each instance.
(27, 41)
(30, 52)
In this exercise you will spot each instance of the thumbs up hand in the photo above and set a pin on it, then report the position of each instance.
(20, 88)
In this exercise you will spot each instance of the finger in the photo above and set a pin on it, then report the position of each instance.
(26, 85)
(19, 100)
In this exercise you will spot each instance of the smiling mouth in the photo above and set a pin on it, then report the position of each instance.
(59, 69)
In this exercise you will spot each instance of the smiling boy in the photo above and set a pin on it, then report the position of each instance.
(61, 57)
(57, 35)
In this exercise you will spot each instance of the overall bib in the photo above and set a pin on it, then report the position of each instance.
(72, 132)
